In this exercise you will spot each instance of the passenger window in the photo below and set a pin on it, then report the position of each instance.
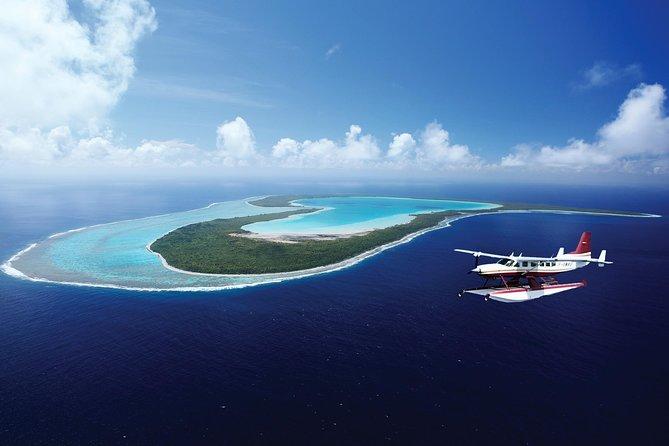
(533, 264)
(524, 263)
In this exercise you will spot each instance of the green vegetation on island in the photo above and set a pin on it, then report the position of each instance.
(222, 247)
(213, 247)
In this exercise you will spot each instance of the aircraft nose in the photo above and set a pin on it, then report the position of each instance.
(476, 270)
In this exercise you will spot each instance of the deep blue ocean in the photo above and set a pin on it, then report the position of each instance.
(383, 351)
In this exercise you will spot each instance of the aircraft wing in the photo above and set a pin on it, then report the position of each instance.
(482, 254)
(534, 259)
(498, 256)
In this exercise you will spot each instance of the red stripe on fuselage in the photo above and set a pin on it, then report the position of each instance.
(523, 273)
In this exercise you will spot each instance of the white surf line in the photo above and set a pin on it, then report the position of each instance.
(137, 288)
(568, 212)
(269, 278)
(7, 267)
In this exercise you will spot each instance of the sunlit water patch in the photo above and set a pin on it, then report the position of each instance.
(116, 254)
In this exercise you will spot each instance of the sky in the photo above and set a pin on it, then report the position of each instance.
(559, 91)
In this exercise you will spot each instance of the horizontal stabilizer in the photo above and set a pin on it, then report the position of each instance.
(601, 261)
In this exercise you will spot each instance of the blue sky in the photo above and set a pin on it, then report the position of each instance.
(493, 73)
(497, 78)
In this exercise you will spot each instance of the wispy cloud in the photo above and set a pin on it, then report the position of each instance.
(201, 21)
(602, 74)
(191, 30)
(160, 88)
(334, 49)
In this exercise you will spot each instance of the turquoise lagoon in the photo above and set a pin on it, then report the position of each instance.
(116, 254)
(342, 215)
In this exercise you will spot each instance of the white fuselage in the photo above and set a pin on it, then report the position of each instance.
(523, 266)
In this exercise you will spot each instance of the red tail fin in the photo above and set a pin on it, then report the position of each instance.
(583, 244)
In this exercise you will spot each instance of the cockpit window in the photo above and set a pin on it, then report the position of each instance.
(506, 262)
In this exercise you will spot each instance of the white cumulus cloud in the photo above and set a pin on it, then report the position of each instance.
(285, 148)
(60, 146)
(432, 151)
(641, 127)
(235, 141)
(436, 150)
(402, 146)
(637, 139)
(357, 149)
(59, 77)
(57, 70)
(358, 146)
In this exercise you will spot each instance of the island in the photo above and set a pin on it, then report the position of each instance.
(222, 246)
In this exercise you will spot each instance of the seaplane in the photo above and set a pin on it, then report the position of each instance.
(517, 278)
